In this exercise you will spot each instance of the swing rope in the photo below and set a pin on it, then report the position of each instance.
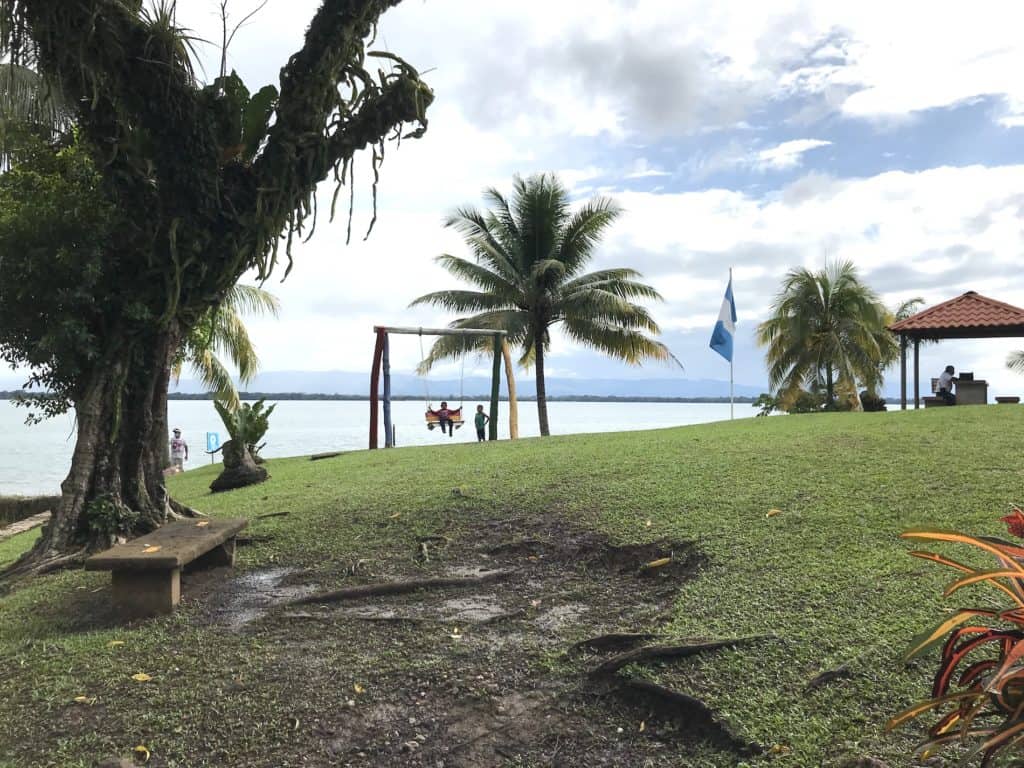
(426, 381)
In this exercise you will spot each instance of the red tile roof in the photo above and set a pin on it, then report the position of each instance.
(966, 312)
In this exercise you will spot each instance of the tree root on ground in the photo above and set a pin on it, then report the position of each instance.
(271, 514)
(687, 709)
(179, 510)
(842, 672)
(399, 588)
(653, 652)
(29, 565)
(611, 641)
(690, 711)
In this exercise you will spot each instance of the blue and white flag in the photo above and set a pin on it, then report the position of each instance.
(721, 337)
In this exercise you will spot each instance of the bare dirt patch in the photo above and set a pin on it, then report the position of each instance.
(493, 674)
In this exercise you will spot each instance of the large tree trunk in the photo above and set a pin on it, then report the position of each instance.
(542, 398)
(115, 488)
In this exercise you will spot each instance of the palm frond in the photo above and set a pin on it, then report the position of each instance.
(620, 343)
(584, 230)
(461, 301)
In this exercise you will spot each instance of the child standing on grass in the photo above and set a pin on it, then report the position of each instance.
(480, 419)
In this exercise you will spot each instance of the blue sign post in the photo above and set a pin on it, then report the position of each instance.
(212, 444)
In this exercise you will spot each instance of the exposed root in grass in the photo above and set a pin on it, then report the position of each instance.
(271, 514)
(400, 588)
(686, 709)
(516, 547)
(179, 510)
(842, 672)
(611, 641)
(328, 455)
(658, 652)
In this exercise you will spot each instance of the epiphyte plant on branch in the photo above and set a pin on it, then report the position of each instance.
(200, 184)
(978, 691)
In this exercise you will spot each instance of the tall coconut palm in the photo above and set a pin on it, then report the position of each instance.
(222, 333)
(529, 252)
(827, 330)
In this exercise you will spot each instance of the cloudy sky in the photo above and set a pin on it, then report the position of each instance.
(757, 135)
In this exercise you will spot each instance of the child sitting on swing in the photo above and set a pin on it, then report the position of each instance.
(444, 416)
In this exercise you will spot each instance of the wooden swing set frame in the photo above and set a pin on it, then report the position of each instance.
(382, 364)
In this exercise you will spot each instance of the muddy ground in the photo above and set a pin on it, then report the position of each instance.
(489, 675)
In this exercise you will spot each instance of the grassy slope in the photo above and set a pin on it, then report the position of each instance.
(828, 575)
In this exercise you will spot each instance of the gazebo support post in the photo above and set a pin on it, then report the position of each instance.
(917, 373)
(903, 371)
(492, 433)
(386, 361)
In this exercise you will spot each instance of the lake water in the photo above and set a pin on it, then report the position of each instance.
(35, 459)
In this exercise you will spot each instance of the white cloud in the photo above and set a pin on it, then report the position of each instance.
(527, 87)
(788, 154)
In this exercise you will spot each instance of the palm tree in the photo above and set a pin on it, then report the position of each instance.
(222, 332)
(827, 330)
(529, 254)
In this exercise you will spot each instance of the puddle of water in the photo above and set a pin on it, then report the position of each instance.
(557, 617)
(251, 595)
(470, 571)
(475, 608)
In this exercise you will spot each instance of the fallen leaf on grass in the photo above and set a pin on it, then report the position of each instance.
(358, 688)
(141, 753)
(151, 550)
(773, 512)
(141, 677)
(394, 516)
(643, 726)
(455, 635)
(115, 643)
(647, 524)
(780, 749)
(535, 603)
(90, 700)
(661, 561)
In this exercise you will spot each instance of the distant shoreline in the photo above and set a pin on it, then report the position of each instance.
(15, 394)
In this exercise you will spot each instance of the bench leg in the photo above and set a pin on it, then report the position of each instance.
(224, 555)
(138, 594)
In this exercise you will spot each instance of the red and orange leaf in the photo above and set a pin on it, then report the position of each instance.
(976, 670)
(978, 576)
(1015, 522)
(924, 706)
(958, 538)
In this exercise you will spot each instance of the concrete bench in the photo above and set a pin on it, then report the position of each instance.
(1008, 400)
(935, 402)
(146, 571)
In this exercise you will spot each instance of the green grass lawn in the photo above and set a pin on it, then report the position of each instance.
(828, 577)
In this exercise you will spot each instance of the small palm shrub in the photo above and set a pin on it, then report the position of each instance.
(247, 424)
(978, 692)
(870, 402)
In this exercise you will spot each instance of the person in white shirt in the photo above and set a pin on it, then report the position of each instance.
(946, 381)
(179, 451)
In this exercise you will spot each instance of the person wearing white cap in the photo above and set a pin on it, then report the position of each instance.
(179, 451)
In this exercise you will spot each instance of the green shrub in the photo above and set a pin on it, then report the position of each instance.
(870, 402)
(247, 424)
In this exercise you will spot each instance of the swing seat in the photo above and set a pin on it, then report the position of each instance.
(456, 418)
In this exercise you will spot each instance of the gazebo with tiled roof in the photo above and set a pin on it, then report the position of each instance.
(970, 316)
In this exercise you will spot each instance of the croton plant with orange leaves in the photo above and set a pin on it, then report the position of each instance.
(978, 691)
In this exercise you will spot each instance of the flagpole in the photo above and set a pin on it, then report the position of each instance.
(732, 404)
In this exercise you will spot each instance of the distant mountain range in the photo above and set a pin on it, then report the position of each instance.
(408, 385)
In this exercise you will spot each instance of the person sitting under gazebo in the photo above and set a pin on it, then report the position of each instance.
(946, 382)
